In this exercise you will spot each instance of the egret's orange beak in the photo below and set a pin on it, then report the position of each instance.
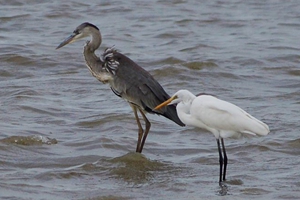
(165, 103)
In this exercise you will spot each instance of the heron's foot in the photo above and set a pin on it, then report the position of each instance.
(138, 150)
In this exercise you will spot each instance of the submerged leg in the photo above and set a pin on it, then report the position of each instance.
(141, 131)
(225, 159)
(147, 128)
(220, 160)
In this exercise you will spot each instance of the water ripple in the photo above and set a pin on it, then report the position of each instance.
(241, 51)
(29, 140)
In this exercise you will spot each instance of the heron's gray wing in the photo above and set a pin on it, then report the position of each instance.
(137, 86)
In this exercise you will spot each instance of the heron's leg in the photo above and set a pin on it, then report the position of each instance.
(225, 159)
(220, 160)
(140, 133)
(147, 128)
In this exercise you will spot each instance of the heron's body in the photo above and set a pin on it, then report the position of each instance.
(221, 118)
(126, 79)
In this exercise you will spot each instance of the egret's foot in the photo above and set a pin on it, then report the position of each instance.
(223, 189)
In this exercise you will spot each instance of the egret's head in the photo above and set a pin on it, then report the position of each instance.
(184, 96)
(82, 31)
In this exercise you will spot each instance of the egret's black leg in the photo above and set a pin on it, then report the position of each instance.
(220, 160)
(147, 128)
(225, 159)
(141, 131)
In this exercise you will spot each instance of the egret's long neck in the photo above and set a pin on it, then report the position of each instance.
(93, 62)
(183, 111)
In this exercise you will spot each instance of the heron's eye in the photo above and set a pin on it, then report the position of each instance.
(76, 32)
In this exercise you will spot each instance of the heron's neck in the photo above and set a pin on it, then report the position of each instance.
(89, 50)
(91, 59)
(93, 62)
(95, 42)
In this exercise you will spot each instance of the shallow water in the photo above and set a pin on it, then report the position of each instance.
(64, 135)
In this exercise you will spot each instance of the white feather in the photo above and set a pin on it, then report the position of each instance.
(222, 118)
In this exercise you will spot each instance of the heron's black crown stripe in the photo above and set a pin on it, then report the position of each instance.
(89, 24)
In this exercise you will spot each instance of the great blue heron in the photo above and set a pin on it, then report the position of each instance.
(221, 118)
(126, 79)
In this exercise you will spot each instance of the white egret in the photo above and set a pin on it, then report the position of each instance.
(221, 118)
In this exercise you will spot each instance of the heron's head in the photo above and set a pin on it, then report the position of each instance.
(82, 31)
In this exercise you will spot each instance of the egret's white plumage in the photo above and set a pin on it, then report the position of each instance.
(221, 118)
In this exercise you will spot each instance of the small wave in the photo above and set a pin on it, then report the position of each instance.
(29, 140)
(5, 73)
(137, 169)
(169, 60)
(17, 59)
(110, 197)
(199, 65)
(10, 18)
(295, 72)
(254, 191)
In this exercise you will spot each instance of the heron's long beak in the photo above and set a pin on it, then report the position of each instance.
(165, 103)
(68, 40)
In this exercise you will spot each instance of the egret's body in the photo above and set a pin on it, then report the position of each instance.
(126, 79)
(221, 118)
